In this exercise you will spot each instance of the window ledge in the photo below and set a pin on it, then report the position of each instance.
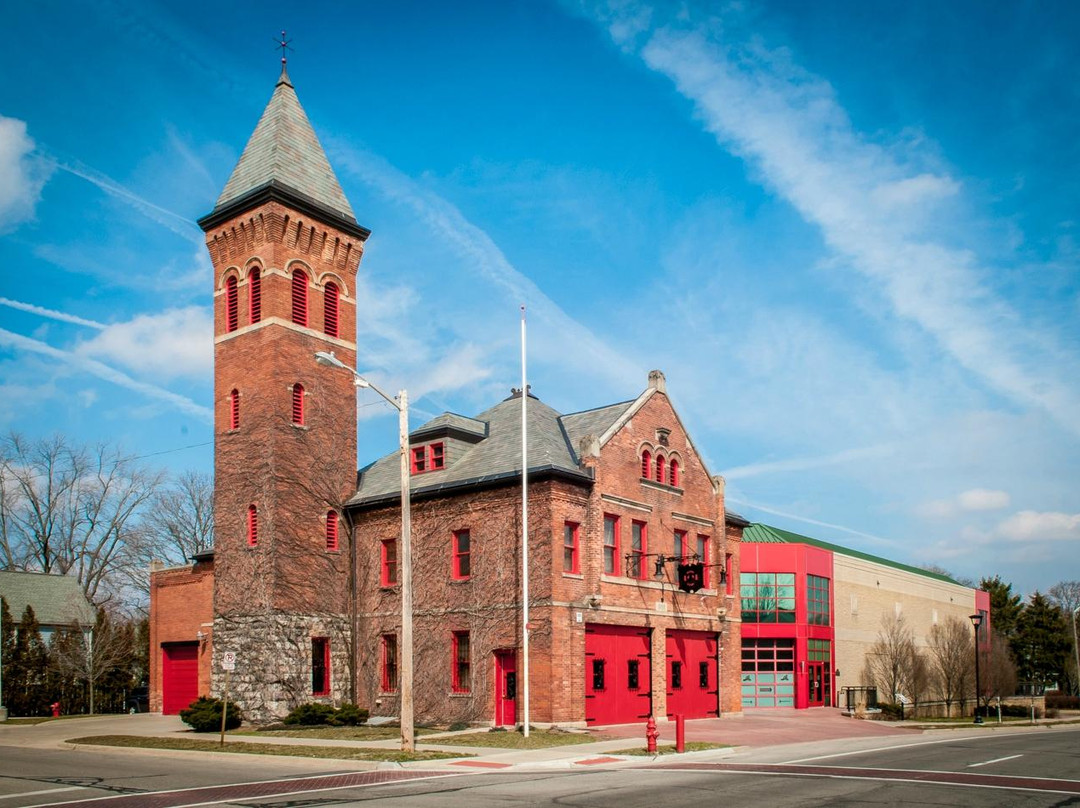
(671, 489)
(460, 694)
(577, 576)
(461, 580)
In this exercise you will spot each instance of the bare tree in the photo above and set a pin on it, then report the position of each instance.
(94, 651)
(180, 521)
(952, 660)
(889, 660)
(70, 510)
(1066, 595)
(997, 676)
(920, 680)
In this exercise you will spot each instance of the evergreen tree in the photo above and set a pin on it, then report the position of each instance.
(7, 649)
(1005, 607)
(67, 688)
(31, 661)
(1041, 645)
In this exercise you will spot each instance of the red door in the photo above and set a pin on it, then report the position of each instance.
(505, 689)
(692, 689)
(618, 685)
(815, 682)
(179, 676)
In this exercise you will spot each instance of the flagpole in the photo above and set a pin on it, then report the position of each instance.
(524, 533)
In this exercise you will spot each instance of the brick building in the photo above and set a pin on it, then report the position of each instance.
(304, 569)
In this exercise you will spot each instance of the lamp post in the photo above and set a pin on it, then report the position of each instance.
(976, 620)
(1076, 648)
(401, 404)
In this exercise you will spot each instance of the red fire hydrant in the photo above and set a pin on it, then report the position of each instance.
(55, 706)
(651, 734)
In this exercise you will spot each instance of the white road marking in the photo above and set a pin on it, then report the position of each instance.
(45, 791)
(995, 760)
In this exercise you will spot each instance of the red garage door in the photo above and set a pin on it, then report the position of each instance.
(179, 676)
(617, 681)
(691, 674)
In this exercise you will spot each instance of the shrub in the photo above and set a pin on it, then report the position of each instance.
(318, 714)
(458, 726)
(311, 714)
(1016, 711)
(204, 715)
(890, 711)
(1056, 700)
(349, 715)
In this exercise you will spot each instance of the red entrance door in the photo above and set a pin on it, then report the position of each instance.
(691, 674)
(815, 682)
(179, 676)
(618, 687)
(505, 689)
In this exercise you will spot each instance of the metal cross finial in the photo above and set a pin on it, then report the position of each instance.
(284, 45)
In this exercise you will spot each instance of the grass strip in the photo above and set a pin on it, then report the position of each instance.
(361, 733)
(669, 749)
(511, 739)
(243, 747)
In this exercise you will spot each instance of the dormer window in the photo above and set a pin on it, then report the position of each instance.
(430, 457)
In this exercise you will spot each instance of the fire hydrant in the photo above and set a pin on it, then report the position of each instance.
(651, 734)
(55, 707)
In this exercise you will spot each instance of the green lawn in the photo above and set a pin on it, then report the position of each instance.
(361, 733)
(243, 747)
(511, 739)
(669, 749)
(41, 719)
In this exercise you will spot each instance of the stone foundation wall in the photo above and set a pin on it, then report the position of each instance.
(273, 668)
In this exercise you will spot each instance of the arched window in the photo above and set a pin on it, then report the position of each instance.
(331, 531)
(232, 320)
(255, 294)
(298, 404)
(252, 526)
(673, 472)
(660, 469)
(299, 297)
(234, 409)
(646, 464)
(330, 309)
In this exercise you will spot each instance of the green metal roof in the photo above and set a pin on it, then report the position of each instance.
(766, 534)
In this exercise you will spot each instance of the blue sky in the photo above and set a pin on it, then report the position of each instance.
(845, 231)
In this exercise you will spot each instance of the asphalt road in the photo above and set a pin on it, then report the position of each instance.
(1032, 768)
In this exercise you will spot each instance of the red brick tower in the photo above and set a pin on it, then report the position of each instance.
(285, 247)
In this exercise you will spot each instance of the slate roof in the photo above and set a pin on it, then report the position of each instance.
(58, 600)
(767, 534)
(496, 457)
(593, 422)
(284, 151)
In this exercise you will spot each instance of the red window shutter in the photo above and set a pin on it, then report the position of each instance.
(252, 526)
(234, 409)
(646, 465)
(232, 320)
(332, 531)
(462, 550)
(298, 404)
(299, 297)
(673, 473)
(659, 469)
(388, 576)
(255, 295)
(330, 309)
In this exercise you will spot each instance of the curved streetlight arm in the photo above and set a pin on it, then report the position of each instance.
(328, 359)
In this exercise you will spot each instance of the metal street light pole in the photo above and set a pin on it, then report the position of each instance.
(1076, 648)
(401, 404)
(976, 620)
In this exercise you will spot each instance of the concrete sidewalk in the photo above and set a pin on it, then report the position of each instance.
(753, 729)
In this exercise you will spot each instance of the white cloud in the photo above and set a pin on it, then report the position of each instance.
(982, 499)
(109, 374)
(22, 175)
(175, 343)
(868, 199)
(62, 316)
(1035, 526)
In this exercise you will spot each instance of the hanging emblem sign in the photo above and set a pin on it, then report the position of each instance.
(691, 577)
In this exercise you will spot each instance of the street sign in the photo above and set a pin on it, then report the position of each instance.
(228, 661)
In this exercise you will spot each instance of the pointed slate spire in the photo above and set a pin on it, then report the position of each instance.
(284, 156)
